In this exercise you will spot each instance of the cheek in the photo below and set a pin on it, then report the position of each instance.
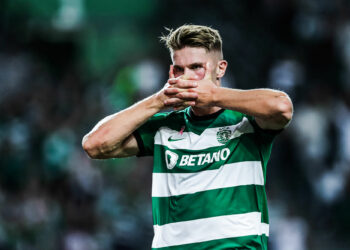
(199, 74)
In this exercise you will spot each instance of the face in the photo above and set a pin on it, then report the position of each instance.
(190, 62)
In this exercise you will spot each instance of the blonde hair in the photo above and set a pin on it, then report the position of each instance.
(193, 36)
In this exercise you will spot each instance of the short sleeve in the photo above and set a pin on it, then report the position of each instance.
(265, 136)
(145, 134)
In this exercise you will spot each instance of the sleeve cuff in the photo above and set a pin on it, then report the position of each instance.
(271, 132)
(141, 146)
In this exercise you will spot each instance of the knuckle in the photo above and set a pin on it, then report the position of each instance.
(181, 84)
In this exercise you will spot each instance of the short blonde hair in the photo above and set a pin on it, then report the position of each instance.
(193, 36)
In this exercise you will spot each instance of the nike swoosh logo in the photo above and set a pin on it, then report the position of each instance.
(170, 139)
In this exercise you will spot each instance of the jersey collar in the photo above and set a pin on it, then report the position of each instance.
(203, 117)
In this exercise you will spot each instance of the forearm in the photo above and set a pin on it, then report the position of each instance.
(273, 109)
(110, 133)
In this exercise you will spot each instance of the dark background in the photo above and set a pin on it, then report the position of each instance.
(65, 64)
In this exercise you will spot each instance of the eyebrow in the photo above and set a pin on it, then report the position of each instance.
(177, 67)
(191, 65)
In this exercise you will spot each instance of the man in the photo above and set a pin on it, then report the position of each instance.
(210, 158)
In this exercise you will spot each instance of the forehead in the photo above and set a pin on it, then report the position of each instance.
(189, 55)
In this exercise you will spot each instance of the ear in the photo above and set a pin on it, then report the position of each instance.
(221, 68)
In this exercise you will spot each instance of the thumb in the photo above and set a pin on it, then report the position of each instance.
(207, 75)
(185, 76)
(171, 72)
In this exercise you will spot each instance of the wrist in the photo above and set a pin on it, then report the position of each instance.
(155, 103)
(215, 93)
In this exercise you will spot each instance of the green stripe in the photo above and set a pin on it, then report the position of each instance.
(217, 202)
(243, 148)
(253, 242)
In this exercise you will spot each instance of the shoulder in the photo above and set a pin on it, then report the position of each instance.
(234, 117)
(168, 116)
(168, 119)
(248, 122)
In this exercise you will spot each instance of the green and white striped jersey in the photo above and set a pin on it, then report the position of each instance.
(209, 174)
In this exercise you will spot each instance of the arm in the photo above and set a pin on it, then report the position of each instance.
(112, 137)
(272, 109)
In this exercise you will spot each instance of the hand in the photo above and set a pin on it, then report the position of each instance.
(166, 98)
(201, 93)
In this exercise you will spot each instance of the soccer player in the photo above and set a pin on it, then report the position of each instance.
(210, 153)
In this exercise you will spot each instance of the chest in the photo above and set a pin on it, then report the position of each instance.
(186, 151)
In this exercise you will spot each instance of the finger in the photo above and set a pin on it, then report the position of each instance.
(174, 91)
(176, 102)
(187, 96)
(190, 103)
(184, 84)
(171, 91)
(173, 80)
(207, 75)
(173, 102)
(171, 72)
(184, 105)
(177, 80)
(184, 77)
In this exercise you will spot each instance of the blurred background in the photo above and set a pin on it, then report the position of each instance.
(65, 64)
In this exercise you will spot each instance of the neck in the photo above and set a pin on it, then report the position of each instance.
(205, 111)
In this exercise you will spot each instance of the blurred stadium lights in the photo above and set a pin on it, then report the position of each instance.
(70, 15)
(64, 64)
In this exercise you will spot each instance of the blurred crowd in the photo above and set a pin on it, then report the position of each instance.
(66, 64)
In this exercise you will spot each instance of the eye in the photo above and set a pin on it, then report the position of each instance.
(196, 66)
(178, 70)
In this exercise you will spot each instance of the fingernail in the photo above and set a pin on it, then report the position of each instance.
(194, 84)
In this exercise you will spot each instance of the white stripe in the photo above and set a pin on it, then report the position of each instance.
(214, 228)
(190, 140)
(229, 175)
